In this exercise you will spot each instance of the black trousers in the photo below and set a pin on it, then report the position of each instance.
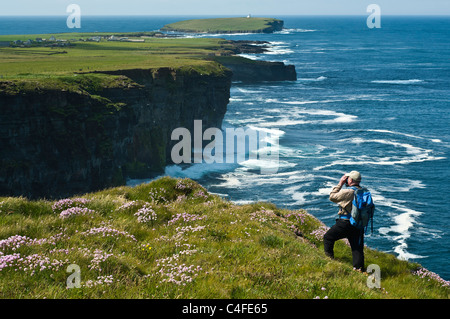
(343, 229)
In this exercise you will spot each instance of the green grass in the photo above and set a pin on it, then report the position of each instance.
(41, 62)
(222, 25)
(197, 246)
(70, 68)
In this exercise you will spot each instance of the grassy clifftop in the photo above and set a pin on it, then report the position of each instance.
(226, 25)
(45, 61)
(172, 239)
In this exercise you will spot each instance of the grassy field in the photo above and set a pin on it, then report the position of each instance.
(172, 239)
(44, 62)
(222, 25)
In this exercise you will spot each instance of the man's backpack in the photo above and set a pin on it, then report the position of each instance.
(363, 209)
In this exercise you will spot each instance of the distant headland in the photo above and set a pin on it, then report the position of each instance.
(227, 25)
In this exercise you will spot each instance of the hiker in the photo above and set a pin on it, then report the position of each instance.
(343, 227)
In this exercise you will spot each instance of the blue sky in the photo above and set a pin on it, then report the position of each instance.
(225, 7)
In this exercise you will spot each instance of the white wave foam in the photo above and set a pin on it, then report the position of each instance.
(247, 91)
(197, 171)
(301, 116)
(320, 78)
(243, 177)
(276, 132)
(300, 197)
(404, 222)
(434, 140)
(387, 161)
(418, 155)
(278, 48)
(413, 81)
(395, 133)
(291, 31)
(250, 56)
(339, 117)
(410, 149)
(266, 165)
(243, 202)
(405, 186)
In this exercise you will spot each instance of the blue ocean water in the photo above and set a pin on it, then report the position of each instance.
(372, 100)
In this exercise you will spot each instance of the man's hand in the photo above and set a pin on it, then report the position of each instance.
(343, 180)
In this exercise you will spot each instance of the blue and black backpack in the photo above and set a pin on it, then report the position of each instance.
(363, 209)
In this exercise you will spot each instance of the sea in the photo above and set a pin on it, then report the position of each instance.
(372, 100)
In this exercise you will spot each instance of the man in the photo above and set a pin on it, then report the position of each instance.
(343, 228)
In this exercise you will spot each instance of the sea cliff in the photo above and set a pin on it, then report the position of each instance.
(80, 128)
(60, 142)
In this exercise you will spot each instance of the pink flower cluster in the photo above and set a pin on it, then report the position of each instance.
(200, 193)
(101, 280)
(423, 273)
(181, 185)
(180, 198)
(158, 195)
(262, 215)
(319, 232)
(299, 216)
(68, 203)
(75, 211)
(108, 232)
(177, 274)
(31, 263)
(185, 217)
(186, 229)
(16, 241)
(99, 256)
(146, 214)
(180, 274)
(128, 205)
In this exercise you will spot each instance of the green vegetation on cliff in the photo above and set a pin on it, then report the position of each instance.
(227, 25)
(172, 239)
(40, 62)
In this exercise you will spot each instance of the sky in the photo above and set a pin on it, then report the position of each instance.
(224, 7)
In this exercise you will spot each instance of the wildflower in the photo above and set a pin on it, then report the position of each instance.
(181, 185)
(108, 232)
(201, 193)
(127, 205)
(425, 273)
(67, 203)
(185, 217)
(75, 211)
(101, 280)
(31, 263)
(99, 256)
(146, 247)
(319, 232)
(146, 214)
(158, 195)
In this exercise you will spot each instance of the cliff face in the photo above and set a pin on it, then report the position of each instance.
(249, 71)
(57, 143)
(276, 25)
(267, 71)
